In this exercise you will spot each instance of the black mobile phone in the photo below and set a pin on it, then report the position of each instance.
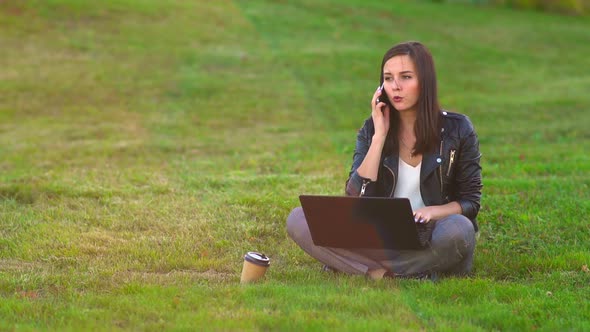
(383, 97)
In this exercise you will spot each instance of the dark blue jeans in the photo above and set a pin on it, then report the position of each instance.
(451, 251)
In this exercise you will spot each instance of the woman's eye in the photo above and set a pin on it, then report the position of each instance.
(387, 79)
(406, 77)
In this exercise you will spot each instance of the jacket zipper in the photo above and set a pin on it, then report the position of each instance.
(451, 160)
(440, 167)
(364, 186)
(393, 186)
(366, 182)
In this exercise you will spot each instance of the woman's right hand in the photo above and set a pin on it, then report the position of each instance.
(369, 168)
(380, 115)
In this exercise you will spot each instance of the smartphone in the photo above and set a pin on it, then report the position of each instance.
(383, 97)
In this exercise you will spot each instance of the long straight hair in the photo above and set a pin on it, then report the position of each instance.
(427, 127)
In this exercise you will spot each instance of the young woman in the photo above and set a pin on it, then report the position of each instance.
(410, 147)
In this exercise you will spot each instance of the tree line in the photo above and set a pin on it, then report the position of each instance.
(570, 7)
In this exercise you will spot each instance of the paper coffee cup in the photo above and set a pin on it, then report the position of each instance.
(255, 266)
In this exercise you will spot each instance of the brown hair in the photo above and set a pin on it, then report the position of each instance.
(427, 127)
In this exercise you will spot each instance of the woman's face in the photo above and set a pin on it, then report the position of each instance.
(401, 83)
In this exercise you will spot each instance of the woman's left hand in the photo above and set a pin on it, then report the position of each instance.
(436, 212)
(425, 214)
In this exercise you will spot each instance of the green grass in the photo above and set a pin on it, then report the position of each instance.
(146, 146)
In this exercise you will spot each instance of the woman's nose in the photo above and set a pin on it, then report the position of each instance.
(395, 85)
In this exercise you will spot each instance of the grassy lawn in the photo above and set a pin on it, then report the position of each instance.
(146, 145)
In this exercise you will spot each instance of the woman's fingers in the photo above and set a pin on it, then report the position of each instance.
(421, 219)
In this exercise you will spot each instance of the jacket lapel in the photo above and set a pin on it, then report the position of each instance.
(430, 162)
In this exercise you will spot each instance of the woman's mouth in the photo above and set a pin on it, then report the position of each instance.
(397, 99)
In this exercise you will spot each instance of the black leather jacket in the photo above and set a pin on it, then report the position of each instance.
(451, 174)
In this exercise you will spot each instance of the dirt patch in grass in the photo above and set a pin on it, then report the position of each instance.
(172, 277)
(17, 265)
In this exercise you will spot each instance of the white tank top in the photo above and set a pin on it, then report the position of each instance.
(408, 184)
